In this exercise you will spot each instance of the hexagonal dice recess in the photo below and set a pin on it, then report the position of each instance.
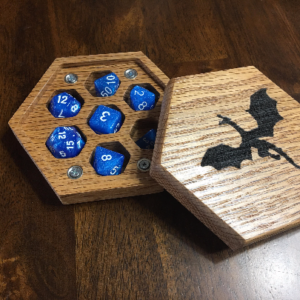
(64, 105)
(107, 85)
(65, 142)
(107, 162)
(228, 148)
(105, 120)
(141, 99)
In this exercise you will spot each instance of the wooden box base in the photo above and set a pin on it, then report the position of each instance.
(33, 123)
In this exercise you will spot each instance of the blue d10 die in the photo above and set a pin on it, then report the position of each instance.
(148, 140)
(65, 142)
(64, 105)
(107, 85)
(107, 162)
(105, 120)
(141, 99)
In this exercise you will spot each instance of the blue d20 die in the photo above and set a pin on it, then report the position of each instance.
(107, 162)
(64, 105)
(105, 120)
(107, 85)
(148, 140)
(65, 142)
(141, 99)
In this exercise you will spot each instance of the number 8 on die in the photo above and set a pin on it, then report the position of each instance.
(107, 162)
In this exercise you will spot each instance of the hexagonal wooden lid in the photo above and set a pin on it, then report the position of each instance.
(228, 148)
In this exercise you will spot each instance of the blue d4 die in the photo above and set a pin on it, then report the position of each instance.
(107, 162)
(65, 142)
(64, 105)
(105, 120)
(148, 140)
(107, 85)
(141, 99)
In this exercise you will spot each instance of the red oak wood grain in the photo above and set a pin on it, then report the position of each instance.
(147, 247)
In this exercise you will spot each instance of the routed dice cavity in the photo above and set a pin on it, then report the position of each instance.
(64, 105)
(148, 140)
(107, 162)
(105, 120)
(107, 85)
(65, 142)
(141, 99)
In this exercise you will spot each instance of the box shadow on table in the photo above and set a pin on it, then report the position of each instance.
(29, 169)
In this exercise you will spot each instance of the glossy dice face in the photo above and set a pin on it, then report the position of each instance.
(65, 142)
(107, 85)
(141, 99)
(105, 120)
(148, 140)
(64, 105)
(107, 162)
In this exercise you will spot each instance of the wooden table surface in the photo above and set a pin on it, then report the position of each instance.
(147, 247)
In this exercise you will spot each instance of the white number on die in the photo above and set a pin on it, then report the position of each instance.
(60, 115)
(106, 157)
(70, 144)
(114, 170)
(62, 154)
(105, 113)
(74, 108)
(108, 90)
(64, 99)
(142, 105)
(104, 94)
(110, 77)
(140, 94)
(61, 135)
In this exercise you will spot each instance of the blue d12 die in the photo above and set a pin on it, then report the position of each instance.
(148, 140)
(107, 162)
(141, 99)
(64, 105)
(65, 142)
(107, 85)
(105, 120)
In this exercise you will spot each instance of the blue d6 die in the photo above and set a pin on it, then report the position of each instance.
(107, 85)
(107, 162)
(64, 105)
(105, 120)
(65, 142)
(148, 140)
(141, 99)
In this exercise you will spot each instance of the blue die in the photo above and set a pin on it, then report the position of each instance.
(107, 85)
(64, 105)
(65, 142)
(105, 120)
(141, 99)
(107, 162)
(148, 140)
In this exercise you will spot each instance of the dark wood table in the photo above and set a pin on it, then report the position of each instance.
(147, 247)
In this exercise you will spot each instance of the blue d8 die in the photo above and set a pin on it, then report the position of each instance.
(107, 85)
(65, 142)
(148, 140)
(141, 99)
(64, 105)
(105, 120)
(107, 162)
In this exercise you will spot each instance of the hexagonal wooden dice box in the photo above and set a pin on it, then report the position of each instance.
(228, 148)
(33, 123)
